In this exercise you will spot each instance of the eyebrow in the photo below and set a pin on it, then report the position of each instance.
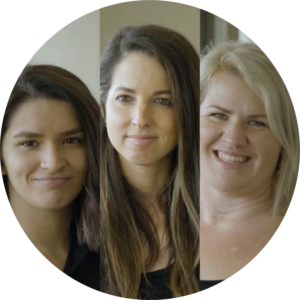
(122, 88)
(30, 134)
(230, 112)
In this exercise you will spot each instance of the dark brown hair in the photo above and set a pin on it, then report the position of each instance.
(54, 83)
(124, 222)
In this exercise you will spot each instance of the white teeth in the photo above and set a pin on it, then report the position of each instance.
(232, 159)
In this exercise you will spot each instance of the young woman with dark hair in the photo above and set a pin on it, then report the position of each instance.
(50, 166)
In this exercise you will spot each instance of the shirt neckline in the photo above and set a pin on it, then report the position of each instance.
(162, 272)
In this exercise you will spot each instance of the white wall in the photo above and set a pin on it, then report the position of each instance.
(76, 48)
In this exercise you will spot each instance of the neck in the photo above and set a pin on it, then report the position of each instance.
(48, 230)
(223, 211)
(150, 180)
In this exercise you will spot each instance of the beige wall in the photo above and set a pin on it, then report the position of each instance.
(179, 17)
(76, 48)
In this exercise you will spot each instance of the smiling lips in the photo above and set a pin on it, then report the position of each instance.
(231, 158)
(52, 182)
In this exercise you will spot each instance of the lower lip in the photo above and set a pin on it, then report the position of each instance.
(52, 182)
(142, 142)
(231, 166)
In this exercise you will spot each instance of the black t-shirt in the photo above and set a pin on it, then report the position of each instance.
(83, 265)
(206, 284)
(160, 288)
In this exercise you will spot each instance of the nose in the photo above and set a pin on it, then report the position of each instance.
(52, 159)
(234, 135)
(141, 114)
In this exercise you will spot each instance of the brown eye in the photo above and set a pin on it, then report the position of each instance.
(123, 99)
(73, 141)
(163, 101)
(29, 144)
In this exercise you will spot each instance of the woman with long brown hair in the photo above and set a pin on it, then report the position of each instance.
(50, 166)
(149, 167)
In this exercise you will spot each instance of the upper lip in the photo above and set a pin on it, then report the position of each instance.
(141, 136)
(231, 153)
(52, 178)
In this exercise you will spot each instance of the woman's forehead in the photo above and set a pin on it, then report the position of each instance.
(42, 114)
(138, 69)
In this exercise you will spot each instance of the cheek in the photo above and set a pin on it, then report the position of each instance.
(78, 161)
(116, 119)
(168, 126)
(208, 132)
(20, 165)
(268, 148)
(19, 174)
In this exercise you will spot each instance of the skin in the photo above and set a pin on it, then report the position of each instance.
(36, 148)
(243, 195)
(140, 102)
(251, 136)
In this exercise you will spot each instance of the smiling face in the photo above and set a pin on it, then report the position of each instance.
(237, 148)
(139, 111)
(44, 154)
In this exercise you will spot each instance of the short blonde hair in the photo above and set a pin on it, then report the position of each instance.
(249, 62)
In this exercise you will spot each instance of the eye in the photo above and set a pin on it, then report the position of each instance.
(257, 123)
(28, 144)
(163, 101)
(122, 98)
(219, 116)
(79, 141)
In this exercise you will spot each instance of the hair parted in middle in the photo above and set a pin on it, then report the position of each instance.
(124, 221)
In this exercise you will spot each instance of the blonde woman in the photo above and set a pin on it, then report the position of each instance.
(249, 157)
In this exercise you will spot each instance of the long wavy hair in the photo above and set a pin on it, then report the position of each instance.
(250, 63)
(56, 84)
(125, 224)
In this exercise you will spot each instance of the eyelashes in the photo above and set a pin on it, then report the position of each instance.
(255, 123)
(32, 144)
(125, 99)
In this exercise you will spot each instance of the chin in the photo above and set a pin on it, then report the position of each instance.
(141, 162)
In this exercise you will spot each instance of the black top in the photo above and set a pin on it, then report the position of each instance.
(158, 286)
(206, 284)
(82, 264)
